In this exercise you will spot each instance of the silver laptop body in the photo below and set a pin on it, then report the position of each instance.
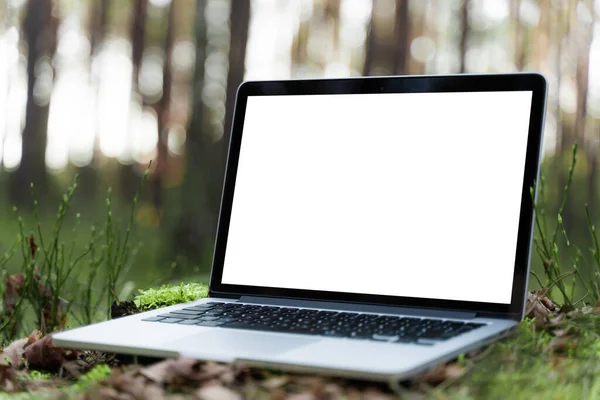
(369, 228)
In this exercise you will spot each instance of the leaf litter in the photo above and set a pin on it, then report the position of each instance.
(186, 378)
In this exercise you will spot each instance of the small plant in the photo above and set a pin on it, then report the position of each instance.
(547, 247)
(48, 270)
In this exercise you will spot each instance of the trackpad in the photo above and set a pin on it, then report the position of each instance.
(238, 344)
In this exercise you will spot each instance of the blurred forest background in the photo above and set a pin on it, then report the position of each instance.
(101, 87)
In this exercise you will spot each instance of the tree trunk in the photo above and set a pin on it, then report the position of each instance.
(40, 32)
(387, 51)
(99, 23)
(402, 33)
(162, 112)
(239, 22)
(518, 39)
(128, 179)
(193, 235)
(89, 175)
(582, 78)
(464, 34)
(138, 35)
(370, 43)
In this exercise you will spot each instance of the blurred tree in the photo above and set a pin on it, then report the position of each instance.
(162, 108)
(195, 228)
(206, 159)
(519, 41)
(323, 26)
(465, 32)
(370, 43)
(139, 14)
(585, 34)
(239, 24)
(331, 15)
(388, 50)
(98, 27)
(98, 24)
(128, 179)
(298, 50)
(402, 34)
(584, 30)
(40, 27)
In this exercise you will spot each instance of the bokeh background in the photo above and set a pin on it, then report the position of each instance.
(101, 87)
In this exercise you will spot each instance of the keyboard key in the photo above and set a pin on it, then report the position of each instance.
(188, 322)
(385, 338)
(171, 320)
(186, 312)
(153, 319)
(180, 316)
(208, 318)
(209, 323)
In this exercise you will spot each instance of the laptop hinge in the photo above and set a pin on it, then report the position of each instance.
(422, 312)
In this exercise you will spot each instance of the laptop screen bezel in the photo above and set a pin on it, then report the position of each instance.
(535, 83)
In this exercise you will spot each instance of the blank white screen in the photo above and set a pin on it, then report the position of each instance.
(412, 194)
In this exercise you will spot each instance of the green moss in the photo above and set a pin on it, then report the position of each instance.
(96, 374)
(169, 295)
(34, 375)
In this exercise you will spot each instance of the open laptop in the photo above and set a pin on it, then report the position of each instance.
(369, 228)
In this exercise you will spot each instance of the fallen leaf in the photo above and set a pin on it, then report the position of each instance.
(561, 332)
(374, 394)
(179, 370)
(275, 382)
(301, 396)
(10, 361)
(43, 355)
(557, 321)
(35, 336)
(13, 353)
(560, 343)
(441, 373)
(215, 392)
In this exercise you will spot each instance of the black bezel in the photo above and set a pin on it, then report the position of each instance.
(408, 84)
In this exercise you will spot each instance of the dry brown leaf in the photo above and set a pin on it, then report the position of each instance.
(561, 332)
(374, 394)
(561, 343)
(557, 321)
(454, 370)
(549, 304)
(12, 355)
(180, 370)
(536, 309)
(441, 373)
(106, 393)
(277, 394)
(301, 396)
(42, 355)
(216, 392)
(275, 382)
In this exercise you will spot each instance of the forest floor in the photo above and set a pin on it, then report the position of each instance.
(554, 354)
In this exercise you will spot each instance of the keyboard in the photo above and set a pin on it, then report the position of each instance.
(387, 328)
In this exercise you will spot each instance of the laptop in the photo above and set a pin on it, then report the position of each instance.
(369, 228)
